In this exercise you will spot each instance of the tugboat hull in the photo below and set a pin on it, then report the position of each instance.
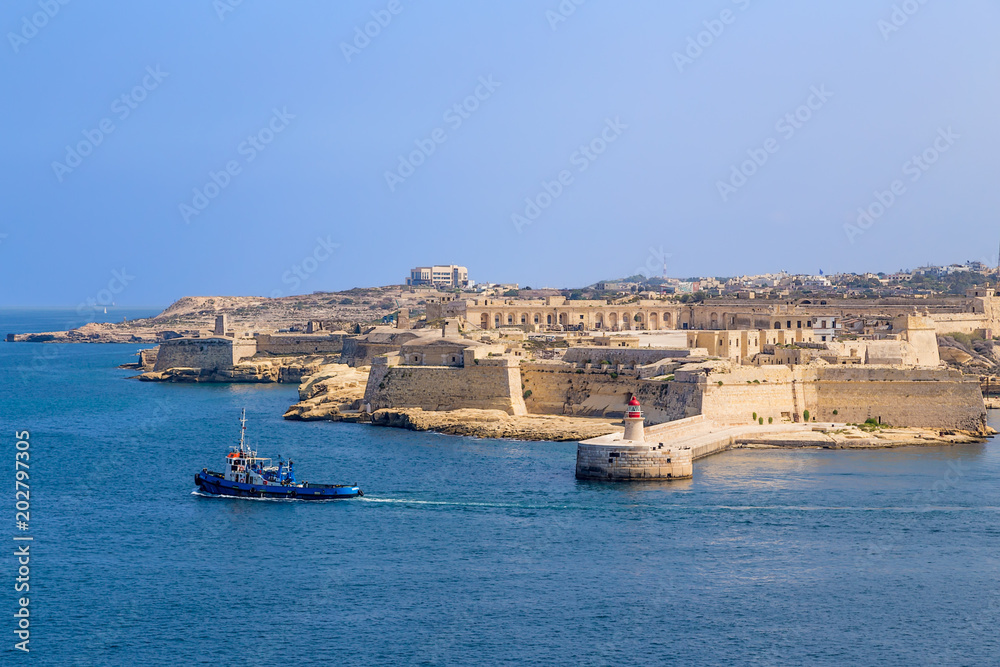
(215, 484)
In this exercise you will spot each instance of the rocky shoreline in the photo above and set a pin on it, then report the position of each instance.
(853, 437)
(497, 424)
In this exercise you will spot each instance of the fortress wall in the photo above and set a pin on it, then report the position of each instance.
(212, 353)
(493, 384)
(736, 401)
(622, 355)
(967, 323)
(300, 343)
(243, 348)
(560, 390)
(921, 398)
(931, 398)
(669, 401)
(362, 353)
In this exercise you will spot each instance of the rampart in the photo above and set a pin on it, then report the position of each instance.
(630, 356)
(929, 398)
(489, 384)
(915, 397)
(208, 353)
(282, 344)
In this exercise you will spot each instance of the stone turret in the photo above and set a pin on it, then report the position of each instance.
(634, 421)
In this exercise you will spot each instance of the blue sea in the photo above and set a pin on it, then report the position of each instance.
(466, 551)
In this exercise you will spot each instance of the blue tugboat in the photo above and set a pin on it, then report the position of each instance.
(248, 476)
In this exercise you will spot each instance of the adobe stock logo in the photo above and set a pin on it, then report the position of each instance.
(899, 17)
(787, 126)
(299, 273)
(697, 45)
(915, 168)
(123, 107)
(581, 158)
(454, 116)
(362, 38)
(37, 21)
(220, 180)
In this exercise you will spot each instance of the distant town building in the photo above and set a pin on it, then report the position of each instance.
(449, 275)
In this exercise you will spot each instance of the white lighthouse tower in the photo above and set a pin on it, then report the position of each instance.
(633, 421)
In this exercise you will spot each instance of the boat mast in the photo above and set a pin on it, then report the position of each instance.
(243, 429)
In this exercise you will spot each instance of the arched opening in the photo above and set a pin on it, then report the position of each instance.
(496, 319)
(654, 322)
(548, 319)
(599, 321)
(667, 321)
(777, 325)
(562, 318)
(484, 321)
(714, 322)
(626, 321)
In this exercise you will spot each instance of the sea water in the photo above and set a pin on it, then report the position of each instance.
(467, 551)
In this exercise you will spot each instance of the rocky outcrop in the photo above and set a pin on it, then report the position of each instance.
(330, 392)
(495, 424)
(290, 370)
(88, 333)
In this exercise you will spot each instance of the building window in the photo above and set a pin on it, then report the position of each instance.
(800, 324)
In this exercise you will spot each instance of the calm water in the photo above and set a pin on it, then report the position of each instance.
(471, 551)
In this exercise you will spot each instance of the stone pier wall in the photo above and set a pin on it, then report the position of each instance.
(632, 462)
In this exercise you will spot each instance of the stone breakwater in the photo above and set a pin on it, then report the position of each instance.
(632, 462)
(670, 449)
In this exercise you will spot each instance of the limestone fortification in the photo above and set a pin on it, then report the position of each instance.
(732, 362)
(486, 384)
(978, 311)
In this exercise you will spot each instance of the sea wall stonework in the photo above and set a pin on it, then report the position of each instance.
(632, 462)
(918, 397)
(930, 398)
(490, 384)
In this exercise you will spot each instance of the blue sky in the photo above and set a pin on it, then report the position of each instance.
(590, 141)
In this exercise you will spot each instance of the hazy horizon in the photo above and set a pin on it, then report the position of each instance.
(211, 148)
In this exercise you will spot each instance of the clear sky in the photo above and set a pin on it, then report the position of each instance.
(273, 147)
